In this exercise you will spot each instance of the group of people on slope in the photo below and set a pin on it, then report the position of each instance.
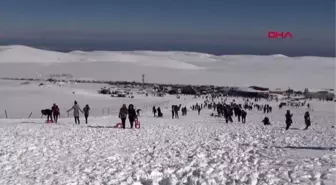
(76, 109)
(158, 111)
(130, 112)
(289, 120)
(54, 113)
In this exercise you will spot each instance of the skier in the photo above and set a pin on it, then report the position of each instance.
(307, 120)
(86, 113)
(123, 115)
(76, 110)
(289, 120)
(55, 112)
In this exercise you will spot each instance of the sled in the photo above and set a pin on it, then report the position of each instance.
(49, 121)
(137, 124)
(118, 125)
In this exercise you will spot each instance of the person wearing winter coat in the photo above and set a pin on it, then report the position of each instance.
(76, 109)
(132, 116)
(173, 111)
(159, 112)
(238, 112)
(154, 111)
(266, 121)
(307, 120)
(199, 108)
(230, 113)
(55, 112)
(289, 120)
(243, 116)
(123, 115)
(86, 113)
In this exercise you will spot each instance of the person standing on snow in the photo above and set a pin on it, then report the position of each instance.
(159, 112)
(289, 120)
(243, 116)
(55, 112)
(86, 113)
(76, 109)
(123, 115)
(307, 120)
(132, 116)
(199, 108)
(173, 111)
(154, 111)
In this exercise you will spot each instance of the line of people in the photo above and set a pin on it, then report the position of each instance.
(53, 114)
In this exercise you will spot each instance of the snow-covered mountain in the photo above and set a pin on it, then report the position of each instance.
(172, 67)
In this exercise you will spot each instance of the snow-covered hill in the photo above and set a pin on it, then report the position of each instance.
(24, 54)
(195, 149)
(172, 67)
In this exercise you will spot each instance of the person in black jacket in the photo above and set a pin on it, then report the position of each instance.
(159, 112)
(154, 111)
(86, 111)
(132, 116)
(243, 115)
(307, 120)
(289, 120)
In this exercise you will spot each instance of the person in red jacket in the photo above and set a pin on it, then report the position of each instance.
(55, 112)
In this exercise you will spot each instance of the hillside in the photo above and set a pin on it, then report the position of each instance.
(172, 67)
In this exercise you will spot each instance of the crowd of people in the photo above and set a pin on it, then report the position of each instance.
(224, 109)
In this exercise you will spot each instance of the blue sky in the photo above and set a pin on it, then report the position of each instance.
(215, 26)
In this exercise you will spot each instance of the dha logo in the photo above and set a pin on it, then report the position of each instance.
(276, 35)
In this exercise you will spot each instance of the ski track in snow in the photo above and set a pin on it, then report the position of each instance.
(191, 150)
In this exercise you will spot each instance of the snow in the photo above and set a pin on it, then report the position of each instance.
(24, 54)
(274, 71)
(195, 149)
(21, 100)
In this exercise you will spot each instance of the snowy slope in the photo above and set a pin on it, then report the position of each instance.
(19, 100)
(24, 54)
(274, 71)
(195, 149)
